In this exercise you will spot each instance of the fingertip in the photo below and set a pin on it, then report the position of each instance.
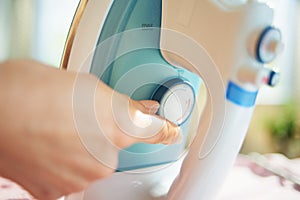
(151, 107)
(171, 134)
(154, 129)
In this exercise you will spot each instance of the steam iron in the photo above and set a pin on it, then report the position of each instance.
(204, 61)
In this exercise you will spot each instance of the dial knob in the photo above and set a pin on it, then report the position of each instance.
(274, 78)
(258, 75)
(176, 98)
(269, 45)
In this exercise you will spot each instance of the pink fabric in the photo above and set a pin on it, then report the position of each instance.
(11, 191)
(263, 177)
(248, 180)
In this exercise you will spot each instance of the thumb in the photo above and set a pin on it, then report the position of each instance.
(168, 134)
(151, 128)
(147, 106)
(138, 123)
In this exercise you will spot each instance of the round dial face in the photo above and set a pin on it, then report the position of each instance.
(177, 102)
(269, 45)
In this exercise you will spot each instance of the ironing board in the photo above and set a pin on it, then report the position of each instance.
(246, 181)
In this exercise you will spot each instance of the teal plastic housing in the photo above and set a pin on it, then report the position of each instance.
(128, 59)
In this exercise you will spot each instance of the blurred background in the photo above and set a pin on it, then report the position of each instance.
(38, 29)
(35, 29)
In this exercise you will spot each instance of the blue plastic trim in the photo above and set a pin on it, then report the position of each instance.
(144, 166)
(240, 96)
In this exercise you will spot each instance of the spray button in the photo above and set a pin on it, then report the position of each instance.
(258, 76)
(269, 45)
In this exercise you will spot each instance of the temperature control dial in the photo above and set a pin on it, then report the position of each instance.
(269, 45)
(176, 98)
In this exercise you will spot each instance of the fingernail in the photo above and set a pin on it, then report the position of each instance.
(154, 106)
(150, 104)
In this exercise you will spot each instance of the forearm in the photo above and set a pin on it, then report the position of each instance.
(55, 126)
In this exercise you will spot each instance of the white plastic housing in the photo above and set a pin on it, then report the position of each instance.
(228, 36)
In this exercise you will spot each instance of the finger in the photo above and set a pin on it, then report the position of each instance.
(155, 129)
(169, 134)
(136, 125)
(147, 106)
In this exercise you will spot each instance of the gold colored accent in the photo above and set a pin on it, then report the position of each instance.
(71, 35)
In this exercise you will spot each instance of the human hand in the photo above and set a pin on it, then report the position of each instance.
(60, 131)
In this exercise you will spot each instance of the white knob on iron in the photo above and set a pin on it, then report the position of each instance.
(177, 98)
(269, 45)
(258, 76)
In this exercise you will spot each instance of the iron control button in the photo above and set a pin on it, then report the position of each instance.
(258, 76)
(273, 78)
(177, 98)
(269, 45)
